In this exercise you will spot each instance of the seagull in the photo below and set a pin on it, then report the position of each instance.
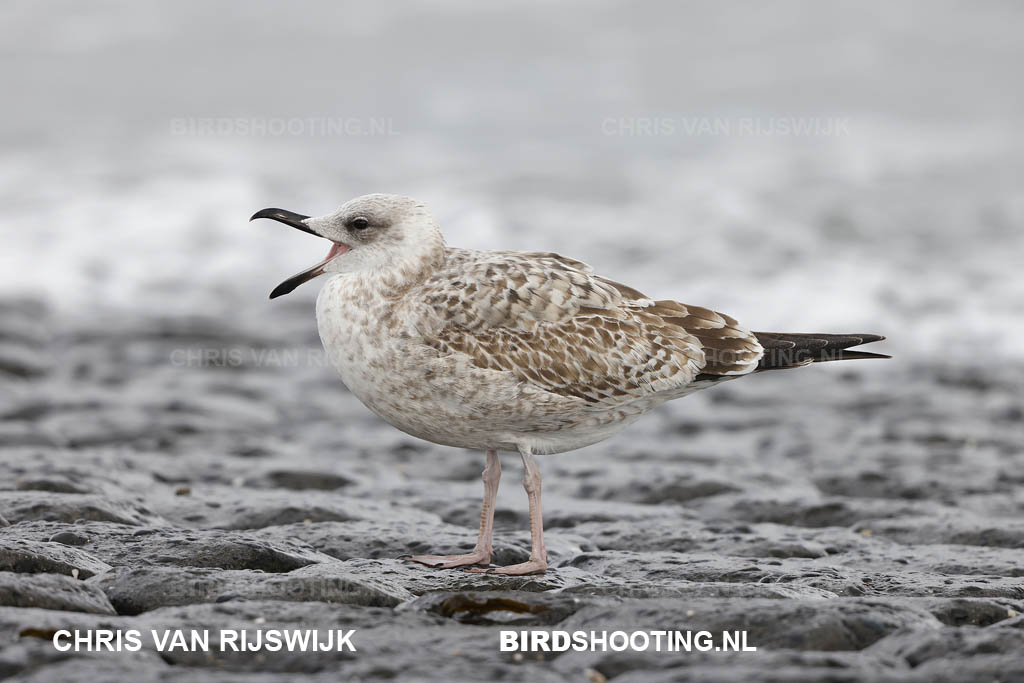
(527, 352)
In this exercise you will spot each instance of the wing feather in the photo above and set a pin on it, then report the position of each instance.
(558, 327)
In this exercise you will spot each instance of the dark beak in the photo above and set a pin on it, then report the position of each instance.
(297, 221)
(296, 280)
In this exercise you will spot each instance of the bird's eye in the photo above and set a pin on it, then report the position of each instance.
(360, 223)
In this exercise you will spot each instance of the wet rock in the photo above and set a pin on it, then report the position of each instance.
(232, 553)
(815, 513)
(885, 547)
(720, 667)
(55, 484)
(363, 538)
(52, 591)
(708, 568)
(676, 535)
(952, 529)
(36, 665)
(121, 545)
(570, 512)
(25, 434)
(32, 557)
(390, 645)
(133, 591)
(705, 589)
(68, 507)
(952, 643)
(374, 539)
(301, 480)
(512, 609)
(648, 484)
(735, 538)
(418, 579)
(973, 612)
(822, 625)
(979, 666)
(230, 508)
(22, 361)
(68, 538)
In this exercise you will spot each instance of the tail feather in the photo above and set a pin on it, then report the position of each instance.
(790, 350)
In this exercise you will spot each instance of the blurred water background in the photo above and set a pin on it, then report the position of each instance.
(802, 166)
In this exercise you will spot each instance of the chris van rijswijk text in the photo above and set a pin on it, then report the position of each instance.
(227, 640)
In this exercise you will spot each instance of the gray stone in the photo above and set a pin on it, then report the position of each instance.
(133, 591)
(52, 591)
(68, 507)
(822, 625)
(901, 564)
(35, 557)
(506, 608)
(122, 545)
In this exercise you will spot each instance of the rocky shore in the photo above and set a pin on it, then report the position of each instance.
(861, 521)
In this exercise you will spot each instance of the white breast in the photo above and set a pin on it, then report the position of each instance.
(376, 348)
(376, 345)
(343, 317)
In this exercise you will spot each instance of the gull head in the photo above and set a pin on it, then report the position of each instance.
(378, 232)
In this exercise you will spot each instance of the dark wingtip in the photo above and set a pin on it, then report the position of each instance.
(789, 350)
(847, 354)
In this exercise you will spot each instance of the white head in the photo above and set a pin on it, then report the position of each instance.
(382, 232)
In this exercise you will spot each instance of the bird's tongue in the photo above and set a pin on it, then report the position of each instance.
(336, 249)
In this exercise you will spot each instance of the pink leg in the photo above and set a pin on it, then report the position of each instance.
(538, 561)
(482, 552)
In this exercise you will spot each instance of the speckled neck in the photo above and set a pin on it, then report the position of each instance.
(408, 270)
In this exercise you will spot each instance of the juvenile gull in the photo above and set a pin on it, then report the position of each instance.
(512, 351)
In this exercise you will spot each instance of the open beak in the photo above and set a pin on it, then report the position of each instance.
(298, 221)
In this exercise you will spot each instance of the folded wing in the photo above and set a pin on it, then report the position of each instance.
(558, 327)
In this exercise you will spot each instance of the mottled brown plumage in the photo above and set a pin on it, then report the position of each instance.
(555, 325)
(501, 350)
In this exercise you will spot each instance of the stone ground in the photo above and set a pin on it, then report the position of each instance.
(861, 521)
